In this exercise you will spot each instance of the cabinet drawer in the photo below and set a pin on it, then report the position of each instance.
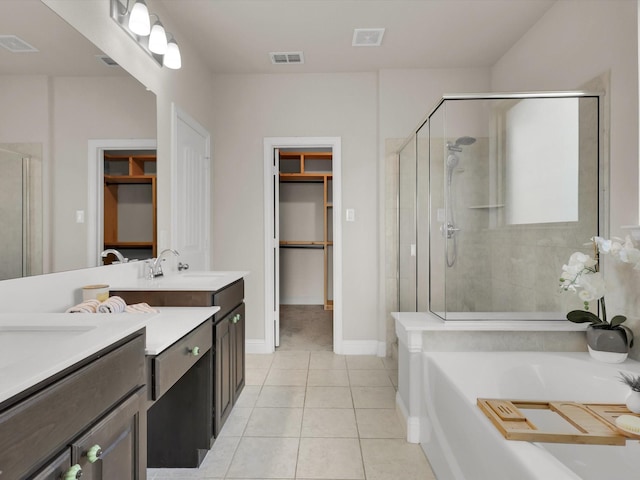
(110, 449)
(174, 362)
(228, 298)
(41, 425)
(56, 469)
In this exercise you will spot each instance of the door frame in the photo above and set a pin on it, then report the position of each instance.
(270, 144)
(94, 217)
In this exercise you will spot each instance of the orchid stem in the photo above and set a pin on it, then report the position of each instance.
(604, 310)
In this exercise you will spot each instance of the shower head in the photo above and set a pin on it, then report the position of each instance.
(465, 141)
(462, 141)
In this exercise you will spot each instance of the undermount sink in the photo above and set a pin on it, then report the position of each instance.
(21, 341)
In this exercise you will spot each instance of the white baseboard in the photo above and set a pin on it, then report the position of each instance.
(257, 346)
(412, 423)
(349, 347)
(362, 347)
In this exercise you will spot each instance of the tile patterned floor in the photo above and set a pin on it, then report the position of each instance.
(312, 415)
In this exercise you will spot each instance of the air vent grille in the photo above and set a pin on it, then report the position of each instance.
(283, 58)
(107, 60)
(16, 44)
(367, 37)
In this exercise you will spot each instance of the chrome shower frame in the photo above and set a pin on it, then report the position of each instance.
(448, 229)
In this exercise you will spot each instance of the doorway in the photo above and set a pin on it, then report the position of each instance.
(302, 246)
(96, 188)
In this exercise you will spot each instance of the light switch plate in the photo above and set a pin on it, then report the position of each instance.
(79, 216)
(351, 215)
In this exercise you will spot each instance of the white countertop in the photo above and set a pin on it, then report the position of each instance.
(209, 281)
(35, 346)
(173, 323)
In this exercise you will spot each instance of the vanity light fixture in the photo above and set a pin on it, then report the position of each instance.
(139, 21)
(158, 38)
(134, 18)
(172, 59)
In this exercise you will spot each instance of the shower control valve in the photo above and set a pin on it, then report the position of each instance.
(449, 230)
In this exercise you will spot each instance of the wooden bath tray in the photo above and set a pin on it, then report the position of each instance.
(595, 422)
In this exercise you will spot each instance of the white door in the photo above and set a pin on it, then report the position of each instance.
(191, 192)
(276, 246)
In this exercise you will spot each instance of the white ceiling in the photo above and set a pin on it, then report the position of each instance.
(236, 36)
(61, 49)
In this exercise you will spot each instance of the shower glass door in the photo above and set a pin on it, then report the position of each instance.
(13, 215)
(407, 227)
(513, 190)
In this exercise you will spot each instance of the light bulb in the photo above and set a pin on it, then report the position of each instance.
(139, 22)
(172, 58)
(158, 39)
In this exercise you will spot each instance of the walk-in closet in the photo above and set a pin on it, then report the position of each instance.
(306, 249)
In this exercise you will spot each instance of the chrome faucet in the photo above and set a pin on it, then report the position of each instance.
(156, 266)
(118, 255)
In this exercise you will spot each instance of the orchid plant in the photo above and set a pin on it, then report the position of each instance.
(583, 277)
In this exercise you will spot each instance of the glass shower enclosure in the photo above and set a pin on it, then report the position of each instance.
(495, 193)
(20, 215)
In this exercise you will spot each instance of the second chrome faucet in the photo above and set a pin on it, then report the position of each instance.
(156, 264)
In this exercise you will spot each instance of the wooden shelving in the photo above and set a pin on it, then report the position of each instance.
(314, 167)
(122, 171)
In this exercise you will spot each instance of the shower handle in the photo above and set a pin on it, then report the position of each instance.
(451, 230)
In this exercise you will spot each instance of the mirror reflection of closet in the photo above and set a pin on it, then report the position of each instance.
(130, 204)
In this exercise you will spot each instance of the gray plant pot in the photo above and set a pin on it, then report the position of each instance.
(609, 346)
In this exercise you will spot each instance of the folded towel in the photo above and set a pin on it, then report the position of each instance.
(112, 305)
(88, 306)
(141, 308)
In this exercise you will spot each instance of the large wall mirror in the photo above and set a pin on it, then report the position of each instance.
(59, 95)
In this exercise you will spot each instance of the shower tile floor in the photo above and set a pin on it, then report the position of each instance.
(307, 413)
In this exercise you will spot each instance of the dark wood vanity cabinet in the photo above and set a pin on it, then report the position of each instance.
(228, 338)
(179, 424)
(229, 361)
(88, 419)
(229, 341)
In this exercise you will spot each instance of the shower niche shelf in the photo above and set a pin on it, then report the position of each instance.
(484, 207)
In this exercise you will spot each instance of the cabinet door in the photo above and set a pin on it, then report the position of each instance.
(56, 469)
(223, 389)
(114, 446)
(238, 332)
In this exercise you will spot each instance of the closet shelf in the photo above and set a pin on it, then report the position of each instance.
(149, 244)
(129, 179)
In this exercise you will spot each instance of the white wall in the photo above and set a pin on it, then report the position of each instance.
(251, 107)
(574, 42)
(405, 98)
(87, 108)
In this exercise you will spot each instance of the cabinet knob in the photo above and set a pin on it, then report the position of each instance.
(236, 318)
(195, 351)
(94, 453)
(74, 473)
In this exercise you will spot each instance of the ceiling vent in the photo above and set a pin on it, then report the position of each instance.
(367, 37)
(16, 44)
(282, 58)
(107, 60)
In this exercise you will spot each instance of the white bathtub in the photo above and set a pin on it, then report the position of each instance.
(462, 444)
